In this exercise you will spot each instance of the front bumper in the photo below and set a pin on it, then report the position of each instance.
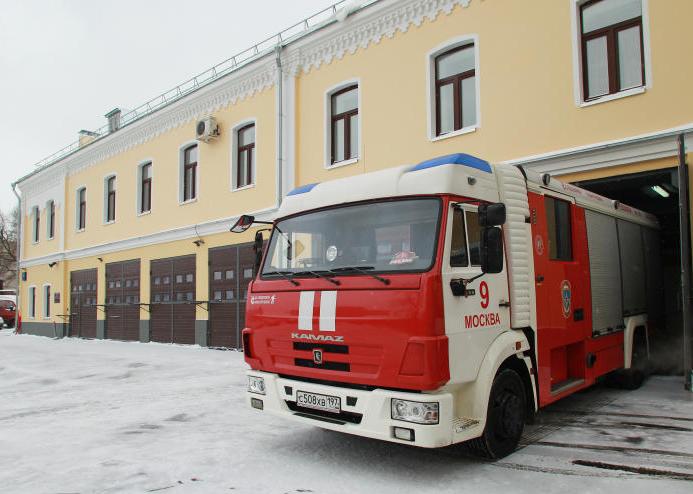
(365, 413)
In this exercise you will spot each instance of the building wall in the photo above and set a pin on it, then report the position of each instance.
(528, 105)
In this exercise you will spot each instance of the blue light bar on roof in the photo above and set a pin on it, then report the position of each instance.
(302, 189)
(455, 159)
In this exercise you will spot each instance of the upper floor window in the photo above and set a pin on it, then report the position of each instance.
(50, 217)
(344, 124)
(455, 89)
(189, 173)
(245, 160)
(612, 46)
(145, 195)
(36, 223)
(81, 208)
(110, 199)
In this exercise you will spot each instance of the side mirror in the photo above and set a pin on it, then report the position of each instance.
(257, 249)
(243, 223)
(491, 250)
(492, 214)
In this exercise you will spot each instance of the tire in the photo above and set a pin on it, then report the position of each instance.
(631, 379)
(505, 417)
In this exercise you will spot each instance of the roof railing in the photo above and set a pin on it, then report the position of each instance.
(210, 75)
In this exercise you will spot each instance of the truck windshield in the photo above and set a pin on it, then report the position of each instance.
(386, 236)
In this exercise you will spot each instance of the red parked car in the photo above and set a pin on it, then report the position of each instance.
(8, 312)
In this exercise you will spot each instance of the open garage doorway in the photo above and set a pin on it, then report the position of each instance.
(656, 192)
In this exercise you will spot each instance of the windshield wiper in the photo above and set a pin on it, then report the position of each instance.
(283, 274)
(362, 270)
(319, 274)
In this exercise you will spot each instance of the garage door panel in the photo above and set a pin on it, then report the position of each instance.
(83, 297)
(230, 272)
(122, 300)
(172, 300)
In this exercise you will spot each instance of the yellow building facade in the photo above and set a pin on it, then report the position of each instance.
(585, 90)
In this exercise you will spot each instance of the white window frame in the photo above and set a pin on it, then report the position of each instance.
(138, 199)
(431, 86)
(105, 199)
(35, 234)
(181, 168)
(31, 302)
(234, 155)
(48, 220)
(327, 102)
(578, 89)
(46, 300)
(86, 199)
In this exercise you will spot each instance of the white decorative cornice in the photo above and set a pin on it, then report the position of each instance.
(369, 26)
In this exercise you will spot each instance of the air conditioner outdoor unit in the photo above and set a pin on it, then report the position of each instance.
(207, 129)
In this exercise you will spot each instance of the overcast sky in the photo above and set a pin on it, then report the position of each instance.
(64, 64)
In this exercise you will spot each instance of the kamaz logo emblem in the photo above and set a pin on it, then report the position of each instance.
(318, 337)
(317, 356)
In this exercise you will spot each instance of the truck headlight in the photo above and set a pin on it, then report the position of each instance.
(256, 385)
(415, 411)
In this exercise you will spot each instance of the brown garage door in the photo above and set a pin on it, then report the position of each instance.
(83, 303)
(173, 300)
(230, 272)
(122, 300)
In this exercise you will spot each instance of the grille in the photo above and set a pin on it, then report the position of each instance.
(343, 417)
(337, 366)
(343, 349)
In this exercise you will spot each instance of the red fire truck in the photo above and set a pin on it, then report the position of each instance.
(445, 302)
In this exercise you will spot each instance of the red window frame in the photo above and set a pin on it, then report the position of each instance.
(346, 116)
(456, 81)
(189, 174)
(248, 149)
(611, 34)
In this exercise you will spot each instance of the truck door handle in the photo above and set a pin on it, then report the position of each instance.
(539, 278)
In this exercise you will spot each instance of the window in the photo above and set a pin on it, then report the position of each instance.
(50, 217)
(466, 237)
(81, 208)
(558, 225)
(455, 89)
(612, 46)
(245, 159)
(344, 124)
(36, 222)
(46, 301)
(32, 301)
(145, 183)
(110, 187)
(189, 170)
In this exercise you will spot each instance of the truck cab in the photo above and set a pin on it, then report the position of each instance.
(404, 305)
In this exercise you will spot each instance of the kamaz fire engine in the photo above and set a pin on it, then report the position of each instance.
(445, 302)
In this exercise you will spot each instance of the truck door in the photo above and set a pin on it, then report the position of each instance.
(562, 287)
(472, 320)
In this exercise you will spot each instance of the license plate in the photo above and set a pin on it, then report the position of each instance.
(319, 402)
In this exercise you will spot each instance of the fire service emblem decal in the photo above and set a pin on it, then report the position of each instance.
(566, 296)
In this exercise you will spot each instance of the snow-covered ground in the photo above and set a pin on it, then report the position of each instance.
(81, 416)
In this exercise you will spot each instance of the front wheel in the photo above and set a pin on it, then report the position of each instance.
(505, 417)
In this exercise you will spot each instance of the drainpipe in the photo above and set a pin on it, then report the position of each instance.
(17, 254)
(684, 232)
(280, 123)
